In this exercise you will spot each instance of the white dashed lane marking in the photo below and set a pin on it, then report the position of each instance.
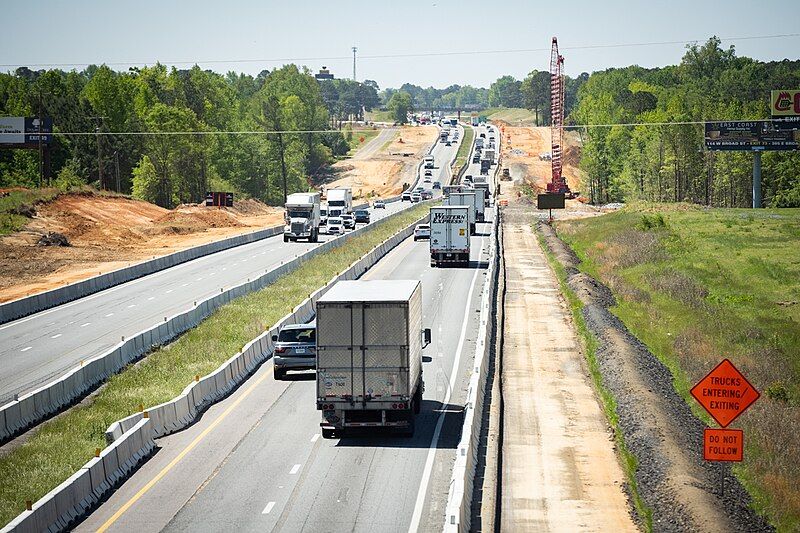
(295, 469)
(268, 508)
(29, 347)
(57, 335)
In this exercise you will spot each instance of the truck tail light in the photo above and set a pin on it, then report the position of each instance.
(280, 349)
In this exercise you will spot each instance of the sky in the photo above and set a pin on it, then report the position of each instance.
(253, 35)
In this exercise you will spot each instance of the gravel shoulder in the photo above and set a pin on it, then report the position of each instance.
(684, 492)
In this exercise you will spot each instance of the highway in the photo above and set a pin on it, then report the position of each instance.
(42, 346)
(256, 461)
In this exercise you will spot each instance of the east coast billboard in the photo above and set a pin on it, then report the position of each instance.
(749, 135)
(785, 103)
(25, 130)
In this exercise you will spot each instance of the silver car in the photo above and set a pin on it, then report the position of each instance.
(295, 348)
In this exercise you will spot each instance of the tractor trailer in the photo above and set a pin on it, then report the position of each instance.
(468, 199)
(340, 201)
(369, 355)
(449, 243)
(302, 217)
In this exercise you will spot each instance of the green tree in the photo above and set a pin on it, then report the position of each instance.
(400, 106)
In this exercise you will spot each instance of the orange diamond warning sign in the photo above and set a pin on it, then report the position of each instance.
(725, 393)
(723, 444)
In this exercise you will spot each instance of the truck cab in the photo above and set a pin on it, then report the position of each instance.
(302, 217)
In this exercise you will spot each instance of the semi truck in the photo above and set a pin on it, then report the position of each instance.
(468, 199)
(302, 217)
(449, 242)
(369, 355)
(340, 201)
(482, 183)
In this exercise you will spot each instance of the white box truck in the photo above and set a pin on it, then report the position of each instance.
(449, 235)
(468, 199)
(369, 355)
(482, 183)
(340, 201)
(302, 217)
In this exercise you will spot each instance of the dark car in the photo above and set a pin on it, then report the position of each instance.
(295, 348)
(362, 215)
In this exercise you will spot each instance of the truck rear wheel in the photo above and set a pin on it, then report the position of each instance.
(285, 238)
(278, 374)
(418, 399)
(328, 434)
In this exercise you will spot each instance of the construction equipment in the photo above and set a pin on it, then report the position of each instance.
(557, 183)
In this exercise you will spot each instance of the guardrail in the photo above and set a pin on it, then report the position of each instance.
(131, 439)
(462, 481)
(33, 407)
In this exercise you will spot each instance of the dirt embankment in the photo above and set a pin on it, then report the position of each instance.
(109, 232)
(684, 492)
(388, 166)
(522, 147)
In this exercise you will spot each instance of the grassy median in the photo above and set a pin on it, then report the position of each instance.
(464, 148)
(698, 285)
(63, 445)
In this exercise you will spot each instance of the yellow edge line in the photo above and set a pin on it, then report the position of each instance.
(150, 484)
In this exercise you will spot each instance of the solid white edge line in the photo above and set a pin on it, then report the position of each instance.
(268, 508)
(426, 473)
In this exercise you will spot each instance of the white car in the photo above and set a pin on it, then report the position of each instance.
(379, 204)
(349, 221)
(335, 226)
(427, 179)
(422, 231)
(416, 197)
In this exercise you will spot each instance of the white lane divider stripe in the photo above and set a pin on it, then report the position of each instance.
(132, 305)
(426, 473)
(109, 314)
(151, 298)
(268, 508)
(26, 349)
(169, 291)
(295, 469)
(86, 324)
(57, 335)
(315, 437)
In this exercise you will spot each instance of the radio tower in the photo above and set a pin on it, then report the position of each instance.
(557, 184)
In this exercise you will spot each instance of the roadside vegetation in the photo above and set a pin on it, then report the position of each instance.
(464, 148)
(354, 138)
(697, 285)
(513, 116)
(62, 445)
(18, 206)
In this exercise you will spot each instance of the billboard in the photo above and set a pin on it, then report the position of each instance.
(219, 199)
(25, 130)
(785, 103)
(749, 135)
(550, 201)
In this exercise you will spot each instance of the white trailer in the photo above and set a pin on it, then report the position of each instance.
(482, 183)
(369, 355)
(340, 201)
(302, 217)
(468, 199)
(449, 243)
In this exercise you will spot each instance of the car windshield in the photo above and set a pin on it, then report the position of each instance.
(305, 335)
(297, 213)
(362, 213)
(334, 221)
(423, 227)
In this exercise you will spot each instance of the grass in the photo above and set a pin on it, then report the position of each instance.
(514, 116)
(589, 341)
(18, 202)
(376, 115)
(697, 285)
(63, 445)
(464, 148)
(355, 141)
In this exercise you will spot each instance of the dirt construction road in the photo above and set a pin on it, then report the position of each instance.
(560, 471)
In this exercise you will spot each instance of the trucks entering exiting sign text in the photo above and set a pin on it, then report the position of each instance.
(302, 217)
(449, 241)
(369, 355)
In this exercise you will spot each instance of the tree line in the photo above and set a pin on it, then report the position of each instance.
(169, 135)
(668, 163)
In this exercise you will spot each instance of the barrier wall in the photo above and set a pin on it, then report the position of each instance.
(33, 407)
(130, 440)
(459, 498)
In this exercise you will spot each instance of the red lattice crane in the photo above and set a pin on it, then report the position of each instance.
(557, 183)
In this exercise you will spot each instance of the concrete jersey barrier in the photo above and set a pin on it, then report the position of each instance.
(130, 440)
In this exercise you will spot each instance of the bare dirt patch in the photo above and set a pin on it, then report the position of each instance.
(110, 232)
(388, 166)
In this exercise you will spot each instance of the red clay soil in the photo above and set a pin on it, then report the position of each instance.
(109, 232)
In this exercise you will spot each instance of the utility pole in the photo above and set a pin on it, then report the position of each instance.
(99, 154)
(757, 180)
(354, 63)
(41, 153)
(116, 163)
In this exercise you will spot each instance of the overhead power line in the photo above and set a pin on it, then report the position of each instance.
(404, 55)
(357, 130)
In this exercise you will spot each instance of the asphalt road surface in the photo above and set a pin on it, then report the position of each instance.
(43, 346)
(256, 461)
